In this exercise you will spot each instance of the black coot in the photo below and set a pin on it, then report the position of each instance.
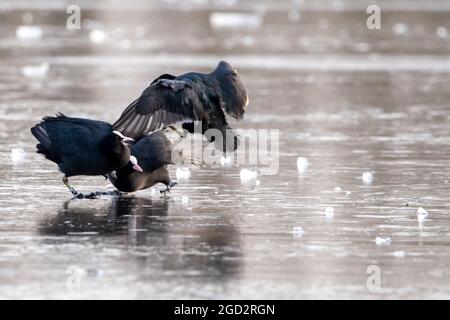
(82, 146)
(189, 98)
(154, 153)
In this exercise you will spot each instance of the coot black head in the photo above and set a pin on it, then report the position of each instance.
(232, 90)
(116, 149)
(224, 67)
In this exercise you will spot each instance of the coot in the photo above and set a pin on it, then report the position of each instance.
(154, 152)
(82, 147)
(190, 98)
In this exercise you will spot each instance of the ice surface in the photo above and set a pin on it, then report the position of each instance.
(383, 241)
(302, 164)
(421, 214)
(249, 176)
(18, 155)
(27, 18)
(367, 177)
(97, 36)
(298, 232)
(36, 71)
(27, 32)
(294, 15)
(329, 212)
(183, 173)
(222, 240)
(219, 20)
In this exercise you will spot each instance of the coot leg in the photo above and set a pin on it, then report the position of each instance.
(71, 189)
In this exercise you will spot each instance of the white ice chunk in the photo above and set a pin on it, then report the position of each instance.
(28, 32)
(183, 173)
(329, 212)
(421, 214)
(367, 177)
(294, 15)
(36, 71)
(97, 36)
(302, 164)
(441, 32)
(399, 254)
(298, 232)
(249, 176)
(400, 28)
(382, 241)
(226, 161)
(219, 20)
(18, 155)
(185, 200)
(248, 41)
(338, 189)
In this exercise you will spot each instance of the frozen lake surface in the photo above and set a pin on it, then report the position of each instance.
(350, 100)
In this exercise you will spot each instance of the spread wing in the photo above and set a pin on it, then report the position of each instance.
(164, 102)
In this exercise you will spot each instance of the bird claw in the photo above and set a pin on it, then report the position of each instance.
(164, 191)
(92, 195)
(168, 188)
(172, 184)
(96, 195)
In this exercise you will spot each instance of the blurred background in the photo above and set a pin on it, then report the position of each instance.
(348, 99)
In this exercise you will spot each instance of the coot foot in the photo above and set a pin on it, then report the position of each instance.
(169, 186)
(97, 194)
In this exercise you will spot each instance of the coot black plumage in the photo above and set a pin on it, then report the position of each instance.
(188, 98)
(82, 146)
(154, 153)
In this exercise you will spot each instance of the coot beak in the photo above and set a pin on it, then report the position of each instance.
(134, 162)
(125, 140)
